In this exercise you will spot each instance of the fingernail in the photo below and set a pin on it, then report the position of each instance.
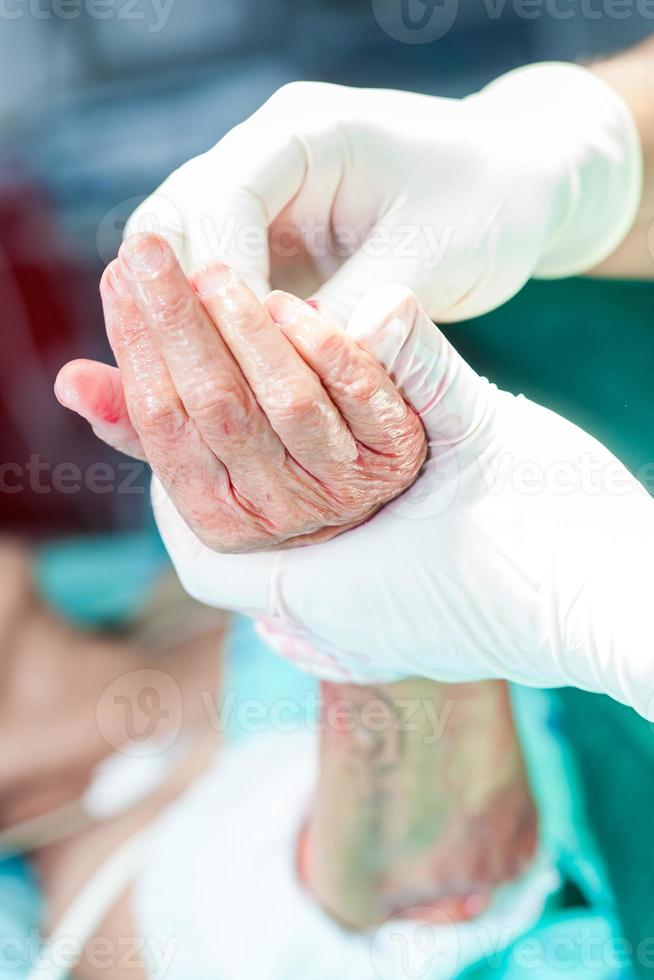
(64, 394)
(212, 279)
(284, 309)
(143, 256)
(116, 281)
(313, 303)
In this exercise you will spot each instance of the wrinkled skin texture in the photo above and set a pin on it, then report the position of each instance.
(265, 424)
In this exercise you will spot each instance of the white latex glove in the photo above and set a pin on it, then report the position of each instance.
(462, 201)
(523, 550)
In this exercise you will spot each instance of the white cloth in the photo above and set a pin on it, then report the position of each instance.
(219, 882)
(460, 200)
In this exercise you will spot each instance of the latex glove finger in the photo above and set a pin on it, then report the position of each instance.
(385, 258)
(220, 205)
(451, 399)
(95, 391)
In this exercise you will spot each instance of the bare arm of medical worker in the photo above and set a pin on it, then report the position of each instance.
(632, 75)
(422, 802)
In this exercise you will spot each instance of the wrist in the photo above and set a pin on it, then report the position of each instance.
(579, 138)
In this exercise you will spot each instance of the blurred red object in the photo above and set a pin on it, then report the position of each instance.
(50, 480)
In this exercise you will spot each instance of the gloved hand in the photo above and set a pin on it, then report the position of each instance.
(339, 190)
(523, 550)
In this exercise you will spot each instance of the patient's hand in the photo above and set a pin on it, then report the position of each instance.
(263, 421)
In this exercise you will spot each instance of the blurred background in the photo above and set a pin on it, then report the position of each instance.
(99, 101)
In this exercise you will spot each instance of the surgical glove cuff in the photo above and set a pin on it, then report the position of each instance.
(579, 135)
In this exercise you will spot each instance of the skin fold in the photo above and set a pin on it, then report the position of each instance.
(263, 422)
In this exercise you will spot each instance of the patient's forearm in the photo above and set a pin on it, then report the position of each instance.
(632, 76)
(422, 800)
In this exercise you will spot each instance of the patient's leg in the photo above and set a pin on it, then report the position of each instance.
(422, 801)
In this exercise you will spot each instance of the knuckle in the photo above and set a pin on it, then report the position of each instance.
(226, 407)
(171, 311)
(299, 407)
(363, 388)
(334, 350)
(158, 418)
(350, 504)
(132, 334)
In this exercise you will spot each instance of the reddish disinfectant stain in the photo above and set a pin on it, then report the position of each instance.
(111, 418)
(313, 303)
(100, 403)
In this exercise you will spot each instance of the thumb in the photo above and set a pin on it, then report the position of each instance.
(368, 269)
(452, 400)
(203, 226)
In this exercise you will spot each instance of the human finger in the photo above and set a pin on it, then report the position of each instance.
(95, 391)
(207, 379)
(289, 391)
(361, 389)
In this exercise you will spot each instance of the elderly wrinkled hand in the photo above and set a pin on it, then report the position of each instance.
(263, 422)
